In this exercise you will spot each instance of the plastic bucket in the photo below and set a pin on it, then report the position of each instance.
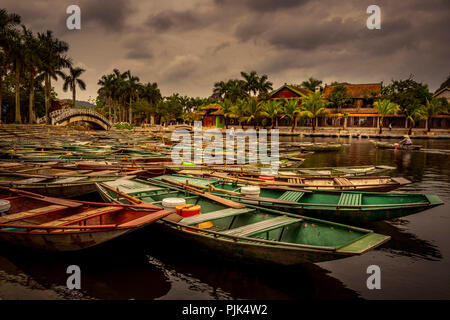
(170, 204)
(5, 205)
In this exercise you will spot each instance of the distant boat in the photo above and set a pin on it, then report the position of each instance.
(51, 224)
(388, 145)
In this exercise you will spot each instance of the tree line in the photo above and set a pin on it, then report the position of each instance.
(29, 62)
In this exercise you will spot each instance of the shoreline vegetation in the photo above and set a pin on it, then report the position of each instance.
(29, 62)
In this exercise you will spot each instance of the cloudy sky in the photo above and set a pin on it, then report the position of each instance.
(187, 45)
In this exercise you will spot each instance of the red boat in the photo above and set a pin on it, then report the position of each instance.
(54, 224)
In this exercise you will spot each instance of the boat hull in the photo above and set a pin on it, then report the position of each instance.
(60, 242)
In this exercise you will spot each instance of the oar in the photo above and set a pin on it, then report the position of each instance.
(130, 198)
(229, 203)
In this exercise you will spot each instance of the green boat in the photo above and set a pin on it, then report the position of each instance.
(341, 206)
(246, 232)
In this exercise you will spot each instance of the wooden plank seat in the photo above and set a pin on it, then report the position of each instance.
(295, 180)
(81, 216)
(214, 215)
(32, 213)
(69, 180)
(293, 196)
(30, 181)
(265, 225)
(310, 172)
(350, 199)
(340, 181)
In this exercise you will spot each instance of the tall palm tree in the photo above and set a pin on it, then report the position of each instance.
(264, 86)
(227, 110)
(311, 84)
(314, 106)
(152, 94)
(8, 24)
(239, 110)
(385, 107)
(271, 109)
(251, 82)
(107, 83)
(291, 110)
(17, 54)
(72, 80)
(132, 84)
(252, 110)
(413, 115)
(433, 108)
(33, 64)
(54, 59)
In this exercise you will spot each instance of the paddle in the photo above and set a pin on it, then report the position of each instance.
(210, 196)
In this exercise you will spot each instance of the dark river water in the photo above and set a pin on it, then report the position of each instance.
(414, 264)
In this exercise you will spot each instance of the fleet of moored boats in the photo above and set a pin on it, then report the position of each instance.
(294, 216)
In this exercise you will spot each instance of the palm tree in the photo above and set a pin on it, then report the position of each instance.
(251, 81)
(311, 84)
(227, 110)
(72, 80)
(385, 107)
(239, 110)
(271, 109)
(53, 60)
(291, 110)
(33, 64)
(433, 108)
(252, 110)
(264, 86)
(220, 89)
(132, 85)
(413, 115)
(314, 106)
(151, 92)
(107, 83)
(17, 54)
(8, 24)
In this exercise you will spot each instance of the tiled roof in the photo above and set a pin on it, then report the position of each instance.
(296, 90)
(212, 107)
(357, 91)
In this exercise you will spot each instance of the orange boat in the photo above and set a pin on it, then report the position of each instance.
(30, 220)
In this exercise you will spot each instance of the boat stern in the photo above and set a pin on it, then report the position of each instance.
(434, 200)
(364, 244)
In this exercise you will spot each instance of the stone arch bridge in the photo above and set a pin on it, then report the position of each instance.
(63, 117)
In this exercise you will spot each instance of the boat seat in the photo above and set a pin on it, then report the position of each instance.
(215, 215)
(265, 225)
(310, 172)
(350, 199)
(295, 180)
(69, 180)
(81, 216)
(293, 196)
(31, 213)
(30, 180)
(340, 181)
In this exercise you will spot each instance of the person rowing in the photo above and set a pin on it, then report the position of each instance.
(406, 141)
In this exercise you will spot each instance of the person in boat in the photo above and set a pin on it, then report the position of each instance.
(406, 141)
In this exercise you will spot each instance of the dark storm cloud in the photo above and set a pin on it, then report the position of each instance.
(187, 46)
(166, 20)
(264, 5)
(109, 14)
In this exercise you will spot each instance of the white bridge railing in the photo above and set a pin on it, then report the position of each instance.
(61, 114)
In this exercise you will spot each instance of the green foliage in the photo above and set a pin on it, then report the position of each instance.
(123, 126)
(311, 84)
(385, 107)
(339, 97)
(314, 106)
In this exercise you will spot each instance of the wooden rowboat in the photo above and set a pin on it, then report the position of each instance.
(245, 232)
(357, 183)
(388, 145)
(341, 206)
(52, 224)
(52, 185)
